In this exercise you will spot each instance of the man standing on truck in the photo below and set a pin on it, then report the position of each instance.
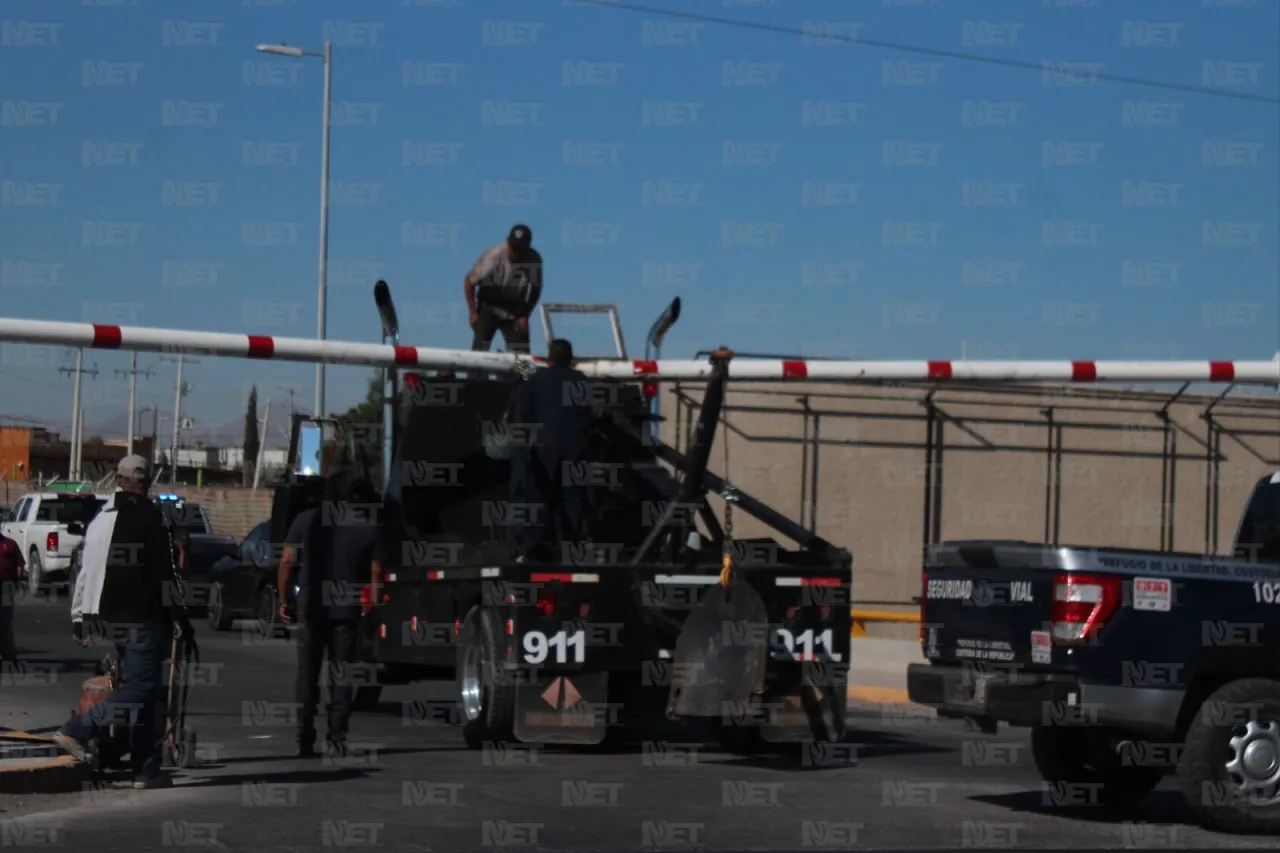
(334, 549)
(554, 405)
(128, 588)
(502, 289)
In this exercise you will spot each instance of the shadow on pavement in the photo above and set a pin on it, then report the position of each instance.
(303, 776)
(1159, 807)
(850, 752)
(289, 756)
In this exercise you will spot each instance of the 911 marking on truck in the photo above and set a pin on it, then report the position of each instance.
(538, 646)
(808, 646)
(1266, 593)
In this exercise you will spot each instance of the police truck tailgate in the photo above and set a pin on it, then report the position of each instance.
(984, 602)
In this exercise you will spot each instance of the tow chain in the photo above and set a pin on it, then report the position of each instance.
(729, 497)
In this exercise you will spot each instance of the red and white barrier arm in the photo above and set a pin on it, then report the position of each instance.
(309, 350)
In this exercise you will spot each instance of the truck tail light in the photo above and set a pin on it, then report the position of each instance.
(1082, 606)
(366, 600)
(649, 390)
(51, 543)
(547, 603)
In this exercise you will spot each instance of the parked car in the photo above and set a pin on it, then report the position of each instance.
(203, 551)
(39, 524)
(244, 583)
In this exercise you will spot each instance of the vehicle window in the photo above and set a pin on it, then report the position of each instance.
(24, 509)
(1259, 535)
(66, 510)
(254, 547)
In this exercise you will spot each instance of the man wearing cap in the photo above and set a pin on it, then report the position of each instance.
(502, 289)
(128, 590)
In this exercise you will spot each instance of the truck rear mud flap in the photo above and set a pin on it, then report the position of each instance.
(566, 709)
(721, 654)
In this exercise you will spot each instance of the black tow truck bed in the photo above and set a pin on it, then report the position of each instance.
(637, 623)
(1126, 664)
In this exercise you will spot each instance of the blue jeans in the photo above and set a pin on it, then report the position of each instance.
(141, 659)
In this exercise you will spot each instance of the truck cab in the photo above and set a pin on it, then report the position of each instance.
(1127, 665)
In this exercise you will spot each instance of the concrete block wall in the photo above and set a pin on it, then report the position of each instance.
(234, 511)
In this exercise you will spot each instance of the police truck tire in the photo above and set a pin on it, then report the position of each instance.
(480, 647)
(218, 616)
(1081, 755)
(1203, 774)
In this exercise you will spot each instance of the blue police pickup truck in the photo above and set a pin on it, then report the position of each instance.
(1126, 665)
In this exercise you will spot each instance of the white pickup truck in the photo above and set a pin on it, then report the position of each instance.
(38, 523)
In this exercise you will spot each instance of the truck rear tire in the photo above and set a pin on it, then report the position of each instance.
(1082, 756)
(1231, 749)
(488, 701)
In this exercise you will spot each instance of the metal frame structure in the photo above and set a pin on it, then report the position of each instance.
(937, 418)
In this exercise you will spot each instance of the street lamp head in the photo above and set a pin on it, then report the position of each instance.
(280, 50)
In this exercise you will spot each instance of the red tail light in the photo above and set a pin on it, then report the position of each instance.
(51, 543)
(366, 600)
(546, 603)
(1082, 606)
(650, 390)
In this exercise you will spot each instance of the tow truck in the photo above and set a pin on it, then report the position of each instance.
(1126, 665)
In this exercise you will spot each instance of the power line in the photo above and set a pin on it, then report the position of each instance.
(924, 51)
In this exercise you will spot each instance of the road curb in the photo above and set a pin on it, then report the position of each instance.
(865, 694)
(34, 774)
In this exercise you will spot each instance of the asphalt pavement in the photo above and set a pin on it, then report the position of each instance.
(917, 782)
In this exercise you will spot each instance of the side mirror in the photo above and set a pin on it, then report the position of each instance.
(76, 528)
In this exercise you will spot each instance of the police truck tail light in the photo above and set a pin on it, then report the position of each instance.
(546, 603)
(650, 390)
(1082, 606)
(51, 543)
(366, 600)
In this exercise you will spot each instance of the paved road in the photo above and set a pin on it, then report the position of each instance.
(917, 783)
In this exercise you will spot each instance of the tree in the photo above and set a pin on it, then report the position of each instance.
(252, 442)
(364, 419)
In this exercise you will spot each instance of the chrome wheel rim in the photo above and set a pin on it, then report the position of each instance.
(1254, 764)
(215, 605)
(469, 683)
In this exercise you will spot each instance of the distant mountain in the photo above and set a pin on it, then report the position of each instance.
(229, 433)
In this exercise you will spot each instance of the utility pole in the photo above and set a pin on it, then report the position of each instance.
(77, 416)
(180, 390)
(132, 373)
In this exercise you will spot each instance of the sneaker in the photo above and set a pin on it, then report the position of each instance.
(160, 780)
(71, 746)
(335, 749)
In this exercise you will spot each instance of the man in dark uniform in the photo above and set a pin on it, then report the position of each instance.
(334, 548)
(502, 289)
(556, 403)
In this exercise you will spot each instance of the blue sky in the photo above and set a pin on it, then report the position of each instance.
(799, 197)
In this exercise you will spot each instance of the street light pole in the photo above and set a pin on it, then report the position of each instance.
(321, 307)
(322, 314)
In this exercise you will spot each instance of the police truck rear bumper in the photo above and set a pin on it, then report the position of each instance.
(1021, 698)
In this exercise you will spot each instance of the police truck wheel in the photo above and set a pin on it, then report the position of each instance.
(267, 607)
(1080, 755)
(1230, 766)
(488, 704)
(35, 572)
(218, 616)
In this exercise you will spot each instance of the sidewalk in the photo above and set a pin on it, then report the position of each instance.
(879, 669)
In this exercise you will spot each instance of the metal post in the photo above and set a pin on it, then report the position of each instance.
(177, 423)
(324, 227)
(262, 447)
(133, 397)
(72, 464)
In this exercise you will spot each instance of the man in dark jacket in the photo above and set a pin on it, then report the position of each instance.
(333, 550)
(556, 405)
(128, 592)
(11, 566)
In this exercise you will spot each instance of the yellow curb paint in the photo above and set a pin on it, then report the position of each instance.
(878, 695)
(14, 734)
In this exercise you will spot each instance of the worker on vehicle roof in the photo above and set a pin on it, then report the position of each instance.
(502, 289)
(549, 470)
